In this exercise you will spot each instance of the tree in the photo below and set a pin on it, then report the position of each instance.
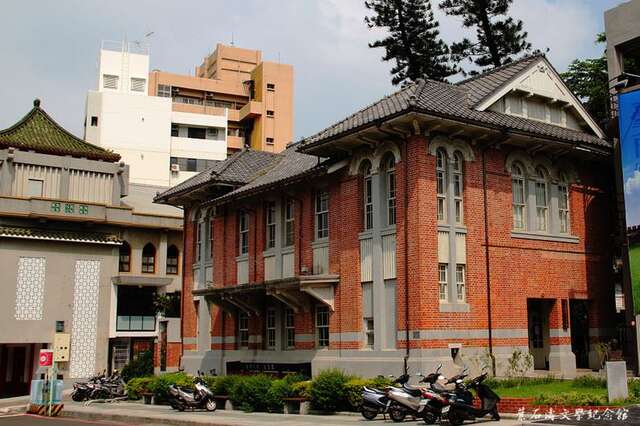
(589, 81)
(498, 39)
(413, 41)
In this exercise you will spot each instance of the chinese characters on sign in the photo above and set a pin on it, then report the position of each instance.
(69, 208)
(606, 414)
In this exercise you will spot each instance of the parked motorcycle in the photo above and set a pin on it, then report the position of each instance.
(417, 401)
(99, 386)
(375, 401)
(461, 401)
(201, 397)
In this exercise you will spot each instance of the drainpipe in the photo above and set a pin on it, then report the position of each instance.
(406, 256)
(486, 254)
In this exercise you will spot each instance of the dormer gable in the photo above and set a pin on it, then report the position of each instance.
(538, 93)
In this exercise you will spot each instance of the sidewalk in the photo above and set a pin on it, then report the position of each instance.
(136, 413)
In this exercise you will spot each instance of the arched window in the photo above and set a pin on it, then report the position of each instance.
(542, 200)
(390, 188)
(149, 259)
(457, 186)
(441, 184)
(563, 204)
(518, 196)
(367, 185)
(124, 260)
(173, 254)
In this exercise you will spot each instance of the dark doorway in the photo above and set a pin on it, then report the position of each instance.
(580, 331)
(538, 316)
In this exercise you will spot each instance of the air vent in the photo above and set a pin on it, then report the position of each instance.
(110, 81)
(137, 84)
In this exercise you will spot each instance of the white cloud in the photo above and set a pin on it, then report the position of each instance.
(632, 184)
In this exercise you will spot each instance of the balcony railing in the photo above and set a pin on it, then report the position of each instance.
(136, 323)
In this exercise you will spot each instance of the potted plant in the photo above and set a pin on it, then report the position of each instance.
(161, 304)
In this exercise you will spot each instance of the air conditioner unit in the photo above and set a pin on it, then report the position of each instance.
(175, 168)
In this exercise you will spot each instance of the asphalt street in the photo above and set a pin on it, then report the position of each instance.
(26, 419)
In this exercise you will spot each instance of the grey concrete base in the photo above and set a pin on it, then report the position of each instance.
(192, 362)
(562, 361)
(228, 405)
(617, 387)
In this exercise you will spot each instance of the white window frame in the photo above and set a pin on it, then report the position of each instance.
(243, 233)
(367, 186)
(441, 185)
(517, 179)
(369, 332)
(243, 330)
(541, 208)
(461, 288)
(289, 223)
(164, 91)
(443, 282)
(322, 215)
(322, 326)
(270, 225)
(289, 329)
(458, 187)
(391, 189)
(271, 324)
(563, 206)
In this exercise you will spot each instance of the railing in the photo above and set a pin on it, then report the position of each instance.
(136, 323)
(136, 47)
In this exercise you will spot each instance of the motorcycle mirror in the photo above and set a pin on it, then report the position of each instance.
(439, 368)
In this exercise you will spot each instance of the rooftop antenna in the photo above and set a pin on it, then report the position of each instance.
(232, 43)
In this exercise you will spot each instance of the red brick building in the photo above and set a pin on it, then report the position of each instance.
(444, 223)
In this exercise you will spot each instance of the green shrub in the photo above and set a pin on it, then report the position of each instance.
(211, 381)
(572, 399)
(353, 388)
(301, 390)
(634, 390)
(223, 384)
(139, 385)
(589, 382)
(251, 393)
(328, 391)
(160, 385)
(140, 366)
(516, 382)
(283, 388)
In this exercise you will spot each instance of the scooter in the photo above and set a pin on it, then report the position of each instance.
(202, 397)
(461, 401)
(375, 401)
(417, 401)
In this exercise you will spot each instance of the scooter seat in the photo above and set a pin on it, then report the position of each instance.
(413, 391)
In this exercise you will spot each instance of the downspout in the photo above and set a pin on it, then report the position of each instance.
(486, 254)
(224, 313)
(185, 222)
(406, 257)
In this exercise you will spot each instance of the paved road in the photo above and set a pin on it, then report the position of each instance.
(24, 420)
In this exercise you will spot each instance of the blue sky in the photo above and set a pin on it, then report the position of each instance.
(49, 48)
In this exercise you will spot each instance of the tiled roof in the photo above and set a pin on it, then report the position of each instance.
(480, 86)
(37, 131)
(237, 169)
(456, 102)
(56, 235)
(290, 164)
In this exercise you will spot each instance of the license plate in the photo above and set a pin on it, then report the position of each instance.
(445, 409)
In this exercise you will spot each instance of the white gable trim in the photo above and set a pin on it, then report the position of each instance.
(563, 93)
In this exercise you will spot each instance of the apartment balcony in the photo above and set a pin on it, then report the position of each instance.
(199, 109)
(235, 142)
(211, 149)
(233, 115)
(251, 110)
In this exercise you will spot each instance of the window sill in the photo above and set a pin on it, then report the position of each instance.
(288, 249)
(365, 235)
(388, 230)
(242, 257)
(454, 307)
(461, 229)
(320, 243)
(545, 237)
(269, 253)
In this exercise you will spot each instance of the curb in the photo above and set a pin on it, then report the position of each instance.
(10, 411)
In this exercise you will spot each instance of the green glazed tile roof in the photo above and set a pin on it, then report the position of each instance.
(38, 132)
(59, 235)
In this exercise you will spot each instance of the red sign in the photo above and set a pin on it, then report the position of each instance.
(46, 357)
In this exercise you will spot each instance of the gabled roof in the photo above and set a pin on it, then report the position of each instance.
(456, 102)
(290, 164)
(237, 169)
(481, 85)
(38, 132)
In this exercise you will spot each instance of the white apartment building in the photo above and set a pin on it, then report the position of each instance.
(162, 147)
